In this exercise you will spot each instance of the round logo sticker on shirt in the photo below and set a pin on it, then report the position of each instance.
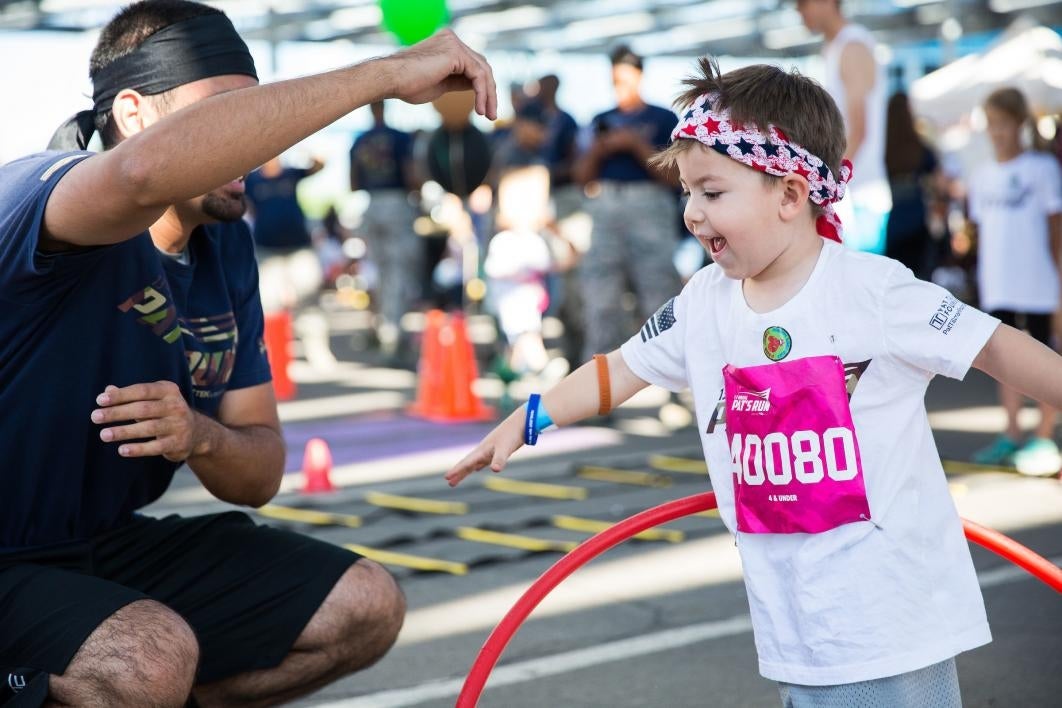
(776, 343)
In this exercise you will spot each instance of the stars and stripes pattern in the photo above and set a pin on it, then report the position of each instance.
(771, 152)
(662, 321)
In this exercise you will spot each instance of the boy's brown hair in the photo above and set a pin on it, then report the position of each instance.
(1011, 101)
(766, 95)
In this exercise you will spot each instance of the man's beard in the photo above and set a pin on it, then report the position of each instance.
(222, 206)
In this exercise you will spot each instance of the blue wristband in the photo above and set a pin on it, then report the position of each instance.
(536, 419)
(531, 420)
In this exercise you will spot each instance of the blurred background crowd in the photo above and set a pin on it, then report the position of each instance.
(550, 222)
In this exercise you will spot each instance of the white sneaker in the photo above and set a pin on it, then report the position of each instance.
(1039, 457)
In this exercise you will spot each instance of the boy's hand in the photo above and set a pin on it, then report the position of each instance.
(493, 450)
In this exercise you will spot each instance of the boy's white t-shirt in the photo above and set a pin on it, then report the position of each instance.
(864, 600)
(1010, 203)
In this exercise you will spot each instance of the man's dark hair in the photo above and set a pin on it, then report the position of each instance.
(764, 95)
(625, 55)
(127, 31)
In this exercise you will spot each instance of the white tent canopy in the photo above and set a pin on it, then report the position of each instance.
(1028, 56)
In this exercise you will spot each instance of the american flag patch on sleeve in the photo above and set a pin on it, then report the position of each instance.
(662, 321)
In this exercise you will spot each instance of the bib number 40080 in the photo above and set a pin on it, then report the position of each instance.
(805, 455)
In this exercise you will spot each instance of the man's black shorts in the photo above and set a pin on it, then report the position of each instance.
(246, 590)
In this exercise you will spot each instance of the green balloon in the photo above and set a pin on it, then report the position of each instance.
(413, 20)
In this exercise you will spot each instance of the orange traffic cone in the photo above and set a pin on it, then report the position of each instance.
(278, 337)
(429, 369)
(317, 467)
(463, 373)
(446, 373)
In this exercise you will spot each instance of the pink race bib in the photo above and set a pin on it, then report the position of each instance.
(793, 445)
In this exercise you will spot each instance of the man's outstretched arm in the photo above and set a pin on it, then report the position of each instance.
(117, 194)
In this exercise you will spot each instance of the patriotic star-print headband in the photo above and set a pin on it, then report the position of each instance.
(771, 152)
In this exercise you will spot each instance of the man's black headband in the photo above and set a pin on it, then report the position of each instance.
(179, 54)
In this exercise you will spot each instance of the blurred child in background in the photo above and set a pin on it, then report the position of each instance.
(1016, 203)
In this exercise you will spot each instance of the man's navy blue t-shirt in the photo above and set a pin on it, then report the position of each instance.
(77, 321)
(278, 218)
(653, 123)
(378, 156)
(562, 134)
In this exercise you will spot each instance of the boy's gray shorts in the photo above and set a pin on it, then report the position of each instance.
(935, 686)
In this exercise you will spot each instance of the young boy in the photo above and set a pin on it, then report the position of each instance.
(1016, 202)
(808, 364)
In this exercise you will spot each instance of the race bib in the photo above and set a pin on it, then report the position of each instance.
(793, 447)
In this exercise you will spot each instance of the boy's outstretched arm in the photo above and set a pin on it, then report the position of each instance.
(1017, 360)
(571, 400)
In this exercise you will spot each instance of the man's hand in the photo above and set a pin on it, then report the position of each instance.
(155, 412)
(440, 64)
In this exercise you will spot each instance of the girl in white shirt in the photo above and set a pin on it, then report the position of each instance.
(808, 364)
(1016, 202)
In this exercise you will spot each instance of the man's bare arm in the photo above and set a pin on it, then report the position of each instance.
(858, 74)
(115, 195)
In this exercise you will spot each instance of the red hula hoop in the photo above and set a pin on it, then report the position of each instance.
(623, 530)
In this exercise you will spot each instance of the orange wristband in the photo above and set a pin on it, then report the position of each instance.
(604, 385)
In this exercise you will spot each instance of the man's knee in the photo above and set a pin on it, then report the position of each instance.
(379, 618)
(391, 608)
(143, 654)
(361, 616)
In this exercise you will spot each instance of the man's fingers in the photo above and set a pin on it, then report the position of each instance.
(113, 395)
(138, 410)
(151, 448)
(492, 88)
(474, 71)
(479, 72)
(136, 431)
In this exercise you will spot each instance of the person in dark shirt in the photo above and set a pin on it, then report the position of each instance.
(131, 342)
(288, 266)
(289, 270)
(271, 195)
(634, 209)
(562, 131)
(381, 162)
(914, 178)
(523, 146)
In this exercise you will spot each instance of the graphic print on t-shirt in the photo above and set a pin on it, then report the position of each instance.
(662, 321)
(209, 342)
(1013, 195)
(210, 345)
(155, 303)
